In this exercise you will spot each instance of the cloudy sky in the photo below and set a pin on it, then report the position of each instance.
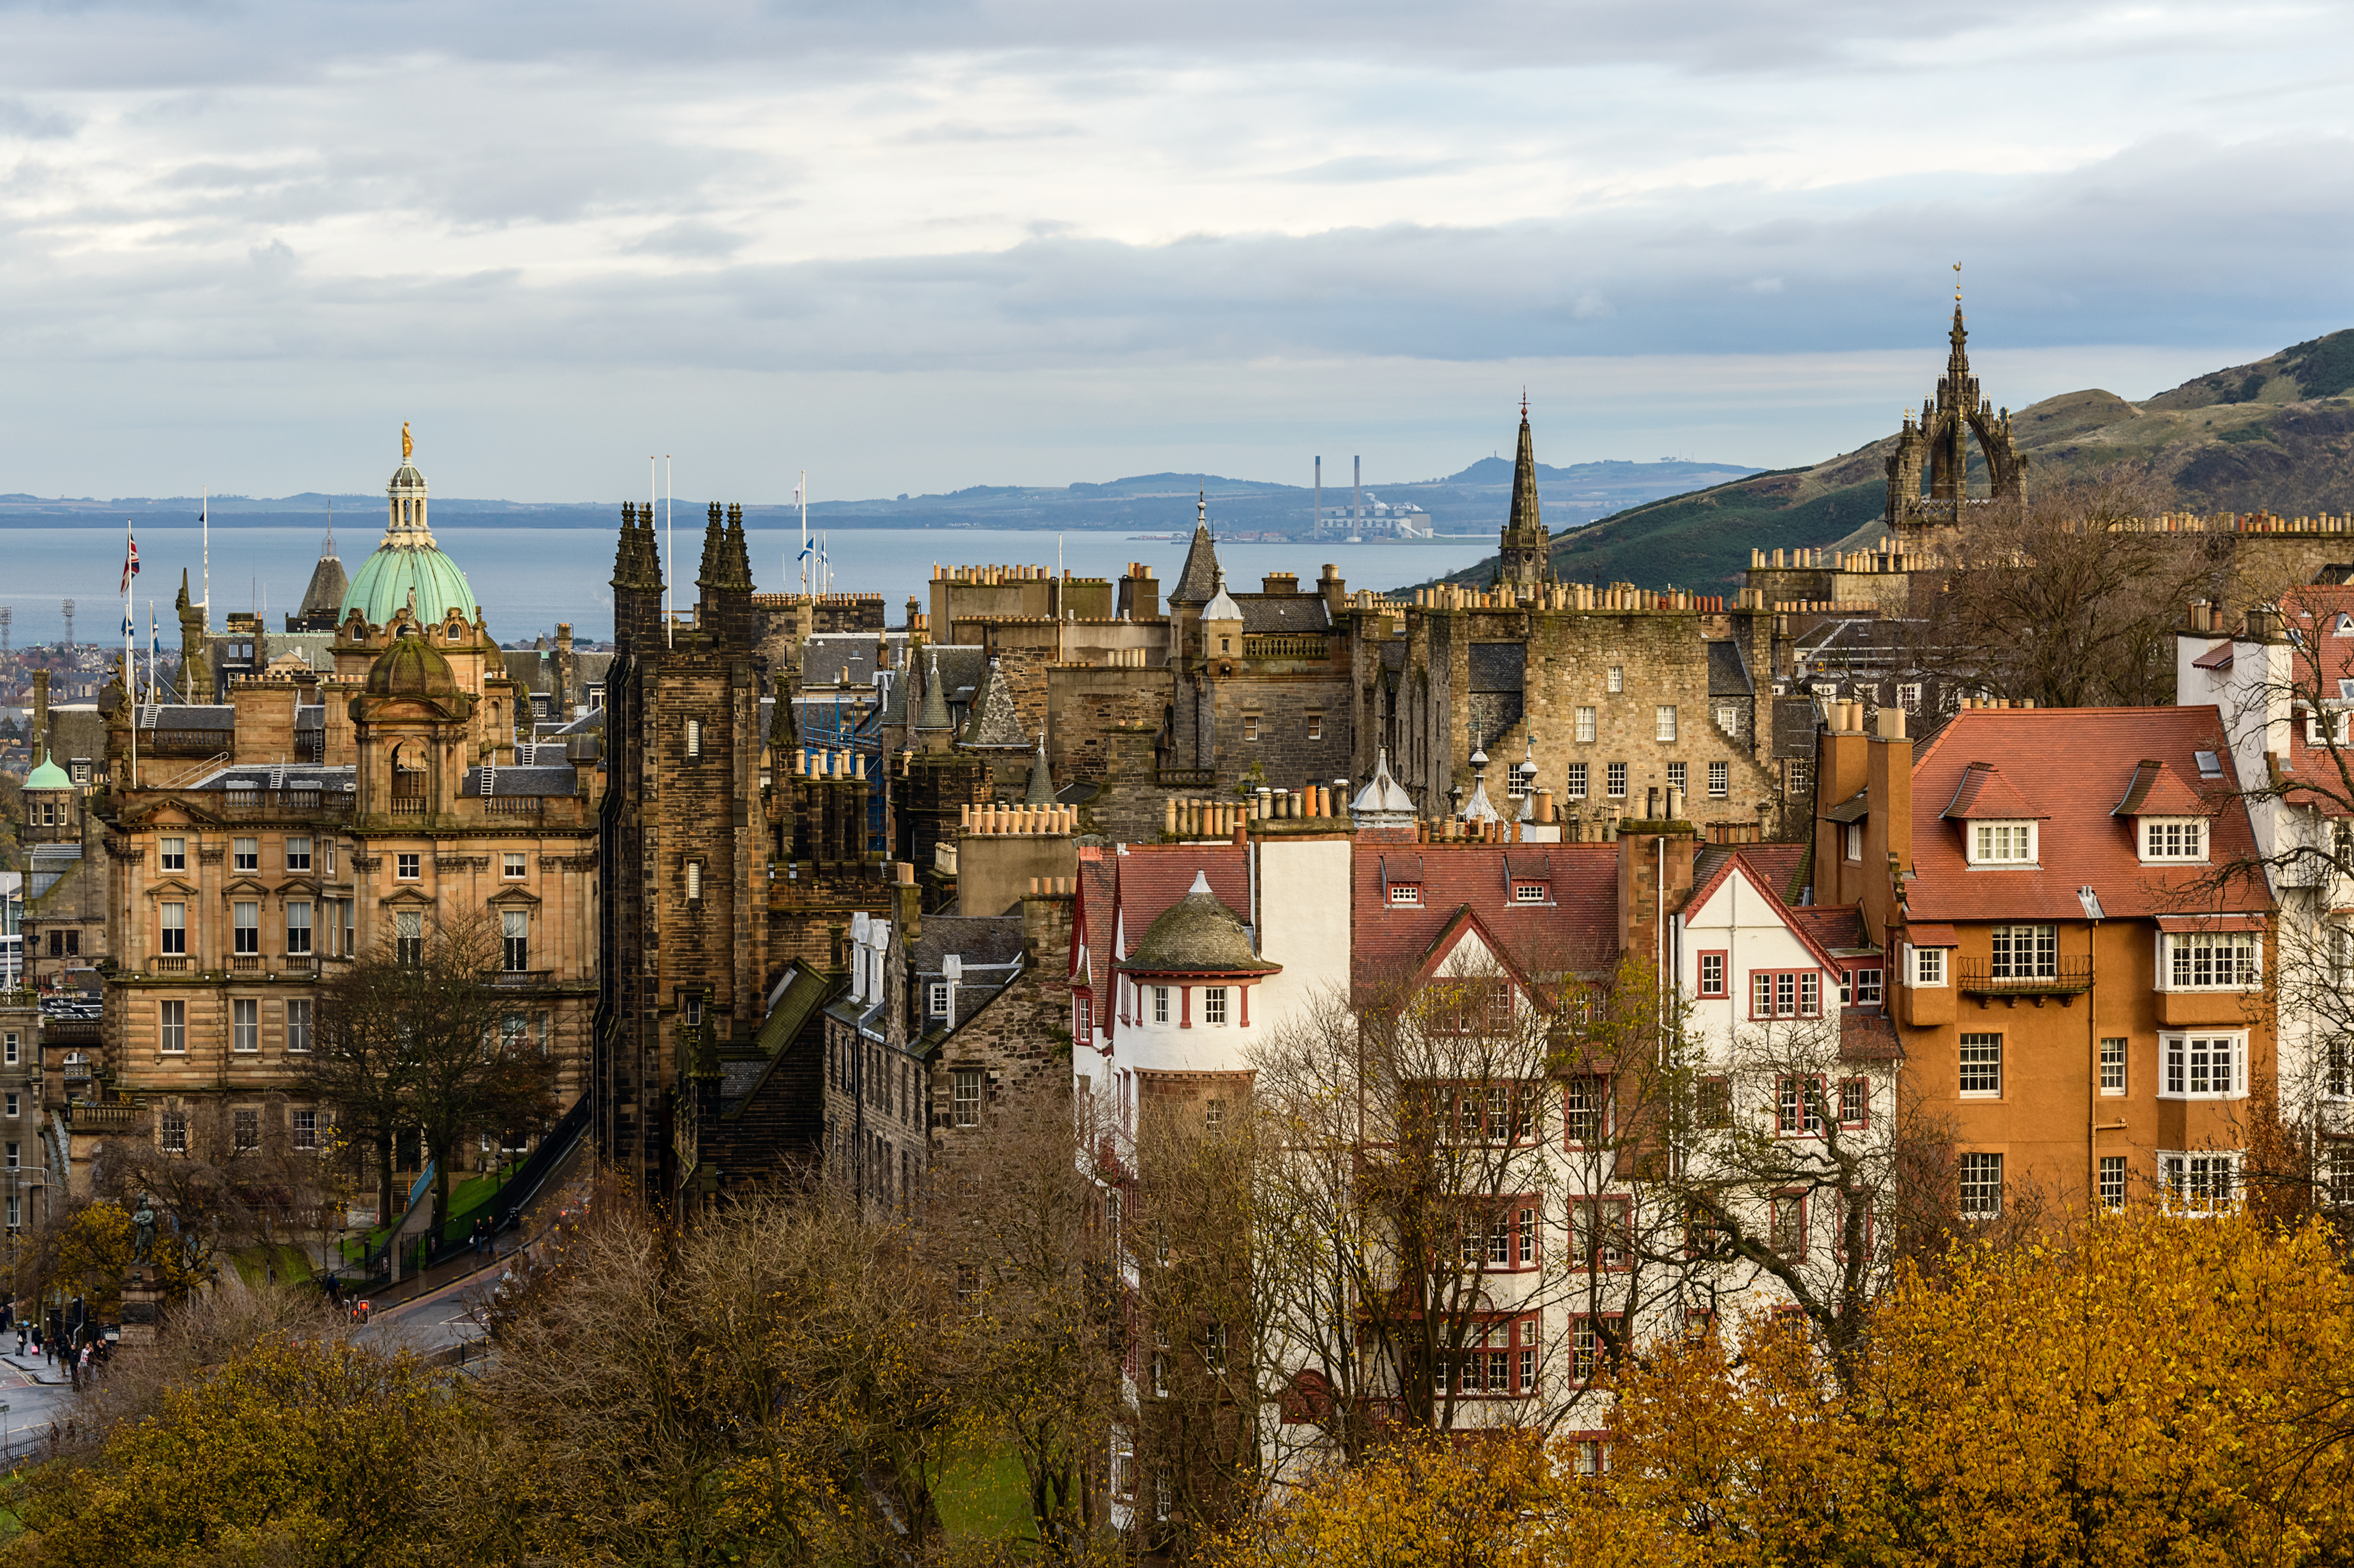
(918, 244)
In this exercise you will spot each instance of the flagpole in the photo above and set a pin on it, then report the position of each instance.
(804, 500)
(130, 670)
(205, 516)
(670, 530)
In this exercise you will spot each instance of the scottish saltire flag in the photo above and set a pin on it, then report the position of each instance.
(129, 567)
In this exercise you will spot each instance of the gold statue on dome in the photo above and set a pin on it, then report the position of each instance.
(406, 446)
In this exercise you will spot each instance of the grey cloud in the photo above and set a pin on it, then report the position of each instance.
(962, 130)
(688, 239)
(151, 43)
(1368, 169)
(18, 118)
(2098, 255)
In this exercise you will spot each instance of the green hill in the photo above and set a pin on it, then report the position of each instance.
(2276, 435)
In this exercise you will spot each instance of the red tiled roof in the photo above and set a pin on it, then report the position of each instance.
(2216, 658)
(1924, 934)
(1983, 792)
(1868, 1036)
(1836, 926)
(2158, 790)
(2076, 763)
(1578, 931)
(1153, 876)
(1092, 920)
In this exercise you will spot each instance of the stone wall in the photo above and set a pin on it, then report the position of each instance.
(1020, 1040)
(1088, 704)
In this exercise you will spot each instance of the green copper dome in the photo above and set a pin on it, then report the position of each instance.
(47, 776)
(386, 579)
(408, 562)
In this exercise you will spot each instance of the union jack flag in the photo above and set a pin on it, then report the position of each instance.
(130, 560)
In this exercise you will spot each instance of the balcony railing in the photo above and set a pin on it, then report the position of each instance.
(102, 1118)
(517, 805)
(171, 966)
(2063, 977)
(245, 963)
(409, 805)
(1284, 645)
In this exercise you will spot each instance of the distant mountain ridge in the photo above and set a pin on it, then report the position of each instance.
(2276, 435)
(1471, 500)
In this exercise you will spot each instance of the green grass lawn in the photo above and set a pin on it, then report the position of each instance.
(985, 1496)
(253, 1263)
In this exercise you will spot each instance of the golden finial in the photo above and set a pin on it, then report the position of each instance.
(1958, 283)
(408, 446)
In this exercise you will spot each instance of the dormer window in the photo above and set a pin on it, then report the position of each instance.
(2002, 844)
(2340, 733)
(1406, 894)
(2173, 839)
(1530, 892)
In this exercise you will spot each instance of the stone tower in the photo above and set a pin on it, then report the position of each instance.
(1939, 442)
(685, 846)
(1525, 556)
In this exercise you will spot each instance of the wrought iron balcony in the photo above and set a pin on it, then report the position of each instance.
(2059, 977)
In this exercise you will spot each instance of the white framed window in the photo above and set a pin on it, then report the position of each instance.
(1680, 778)
(1516, 780)
(298, 1024)
(1585, 724)
(511, 865)
(16, 1214)
(1250, 726)
(1161, 1004)
(1980, 1074)
(1315, 726)
(1925, 967)
(693, 738)
(2002, 844)
(2337, 1066)
(966, 1103)
(693, 881)
(1908, 696)
(1854, 840)
(2113, 1181)
(2113, 1065)
(2210, 961)
(2339, 731)
(1573, 783)
(247, 1128)
(1867, 987)
(13, 1110)
(406, 867)
(245, 917)
(297, 930)
(2200, 1180)
(2202, 1066)
(175, 931)
(1213, 1005)
(1728, 719)
(172, 853)
(1663, 722)
(1719, 780)
(11, 1048)
(244, 1024)
(1613, 779)
(409, 935)
(514, 940)
(1406, 894)
(244, 854)
(1528, 893)
(173, 1131)
(1213, 1114)
(2023, 952)
(327, 857)
(2173, 838)
(936, 1002)
(298, 854)
(306, 1129)
(1981, 1186)
(1617, 681)
(172, 1027)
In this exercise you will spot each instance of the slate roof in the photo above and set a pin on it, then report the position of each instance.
(1794, 728)
(2076, 765)
(827, 654)
(188, 715)
(276, 776)
(1499, 666)
(531, 780)
(1833, 926)
(1301, 612)
(49, 863)
(993, 723)
(1577, 932)
(975, 939)
(1092, 917)
(1728, 673)
(1198, 581)
(312, 716)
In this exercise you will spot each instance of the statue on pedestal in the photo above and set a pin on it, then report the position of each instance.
(142, 1230)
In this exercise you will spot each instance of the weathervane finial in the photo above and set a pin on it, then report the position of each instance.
(1958, 283)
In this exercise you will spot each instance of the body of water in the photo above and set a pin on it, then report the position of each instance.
(527, 579)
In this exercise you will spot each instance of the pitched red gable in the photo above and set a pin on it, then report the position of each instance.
(1153, 876)
(2076, 764)
(1983, 793)
(1091, 922)
(2158, 790)
(1577, 931)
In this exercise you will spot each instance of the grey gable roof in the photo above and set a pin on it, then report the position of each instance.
(994, 723)
(531, 780)
(1198, 579)
(1300, 612)
(1728, 674)
(188, 715)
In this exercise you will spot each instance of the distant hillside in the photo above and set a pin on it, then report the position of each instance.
(2277, 435)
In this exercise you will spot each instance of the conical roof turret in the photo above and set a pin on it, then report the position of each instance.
(1041, 792)
(934, 714)
(1525, 515)
(1199, 577)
